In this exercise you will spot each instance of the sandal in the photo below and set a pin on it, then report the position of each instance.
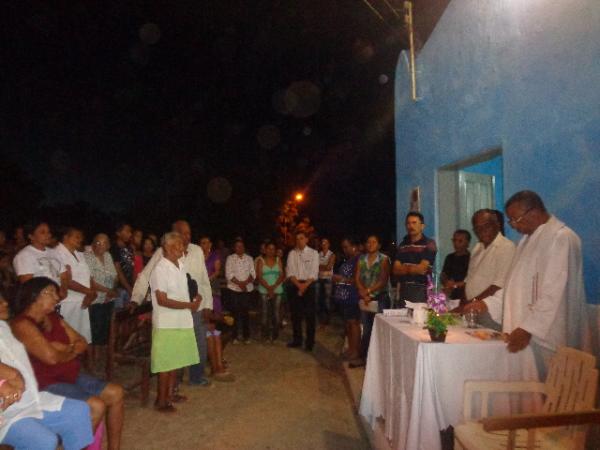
(168, 408)
(177, 398)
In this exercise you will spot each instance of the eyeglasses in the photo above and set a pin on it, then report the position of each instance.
(517, 219)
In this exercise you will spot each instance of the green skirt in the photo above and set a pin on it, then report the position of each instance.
(173, 348)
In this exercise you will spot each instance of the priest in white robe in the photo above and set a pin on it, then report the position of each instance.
(544, 296)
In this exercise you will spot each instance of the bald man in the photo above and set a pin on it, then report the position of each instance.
(193, 261)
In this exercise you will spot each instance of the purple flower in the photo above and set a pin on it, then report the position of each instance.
(435, 300)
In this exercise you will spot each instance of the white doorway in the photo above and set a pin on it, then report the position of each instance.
(475, 191)
(463, 188)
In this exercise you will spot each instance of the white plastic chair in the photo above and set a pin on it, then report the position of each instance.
(567, 411)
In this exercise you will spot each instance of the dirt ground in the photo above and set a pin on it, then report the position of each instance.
(282, 399)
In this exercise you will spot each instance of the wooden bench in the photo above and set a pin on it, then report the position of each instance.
(129, 343)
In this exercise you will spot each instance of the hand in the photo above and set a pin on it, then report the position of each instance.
(477, 306)
(110, 295)
(195, 305)
(88, 299)
(518, 340)
(363, 292)
(270, 292)
(9, 394)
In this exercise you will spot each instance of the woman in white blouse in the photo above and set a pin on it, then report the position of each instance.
(34, 420)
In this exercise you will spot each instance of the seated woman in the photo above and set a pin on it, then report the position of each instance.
(54, 349)
(32, 419)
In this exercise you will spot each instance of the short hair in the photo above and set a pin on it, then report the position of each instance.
(465, 233)
(491, 212)
(301, 232)
(415, 214)
(351, 239)
(29, 292)
(120, 225)
(65, 231)
(32, 225)
(528, 199)
(169, 237)
(373, 235)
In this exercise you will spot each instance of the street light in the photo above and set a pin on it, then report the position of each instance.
(299, 196)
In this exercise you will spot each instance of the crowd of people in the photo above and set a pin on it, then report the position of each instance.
(58, 298)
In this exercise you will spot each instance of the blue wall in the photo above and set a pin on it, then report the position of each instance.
(521, 75)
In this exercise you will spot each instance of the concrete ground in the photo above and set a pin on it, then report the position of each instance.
(282, 399)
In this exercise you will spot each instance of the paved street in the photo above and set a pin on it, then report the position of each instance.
(282, 399)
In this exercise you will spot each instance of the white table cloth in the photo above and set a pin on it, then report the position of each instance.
(416, 386)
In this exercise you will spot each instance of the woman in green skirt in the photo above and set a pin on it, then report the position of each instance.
(173, 340)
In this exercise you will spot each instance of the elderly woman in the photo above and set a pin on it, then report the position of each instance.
(32, 419)
(54, 349)
(104, 280)
(173, 339)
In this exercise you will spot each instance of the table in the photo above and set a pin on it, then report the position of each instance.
(416, 386)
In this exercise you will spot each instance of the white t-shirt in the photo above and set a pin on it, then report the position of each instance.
(170, 279)
(80, 271)
(39, 263)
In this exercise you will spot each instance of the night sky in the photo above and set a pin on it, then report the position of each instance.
(213, 111)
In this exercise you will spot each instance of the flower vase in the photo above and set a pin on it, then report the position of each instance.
(437, 337)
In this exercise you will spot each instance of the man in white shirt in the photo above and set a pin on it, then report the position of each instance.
(240, 274)
(544, 293)
(302, 270)
(196, 268)
(39, 260)
(488, 267)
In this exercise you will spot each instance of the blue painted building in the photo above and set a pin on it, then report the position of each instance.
(509, 88)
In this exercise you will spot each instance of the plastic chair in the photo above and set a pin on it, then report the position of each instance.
(567, 411)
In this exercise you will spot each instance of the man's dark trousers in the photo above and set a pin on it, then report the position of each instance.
(303, 308)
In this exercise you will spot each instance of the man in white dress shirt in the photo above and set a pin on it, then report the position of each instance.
(488, 267)
(302, 270)
(196, 268)
(544, 293)
(240, 273)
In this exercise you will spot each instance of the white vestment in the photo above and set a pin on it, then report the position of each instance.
(544, 292)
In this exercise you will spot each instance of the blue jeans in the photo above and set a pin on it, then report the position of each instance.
(367, 319)
(197, 370)
(270, 316)
(72, 423)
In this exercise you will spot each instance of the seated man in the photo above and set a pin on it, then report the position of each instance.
(489, 266)
(456, 265)
(29, 418)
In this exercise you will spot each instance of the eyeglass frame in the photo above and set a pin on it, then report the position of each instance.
(518, 219)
